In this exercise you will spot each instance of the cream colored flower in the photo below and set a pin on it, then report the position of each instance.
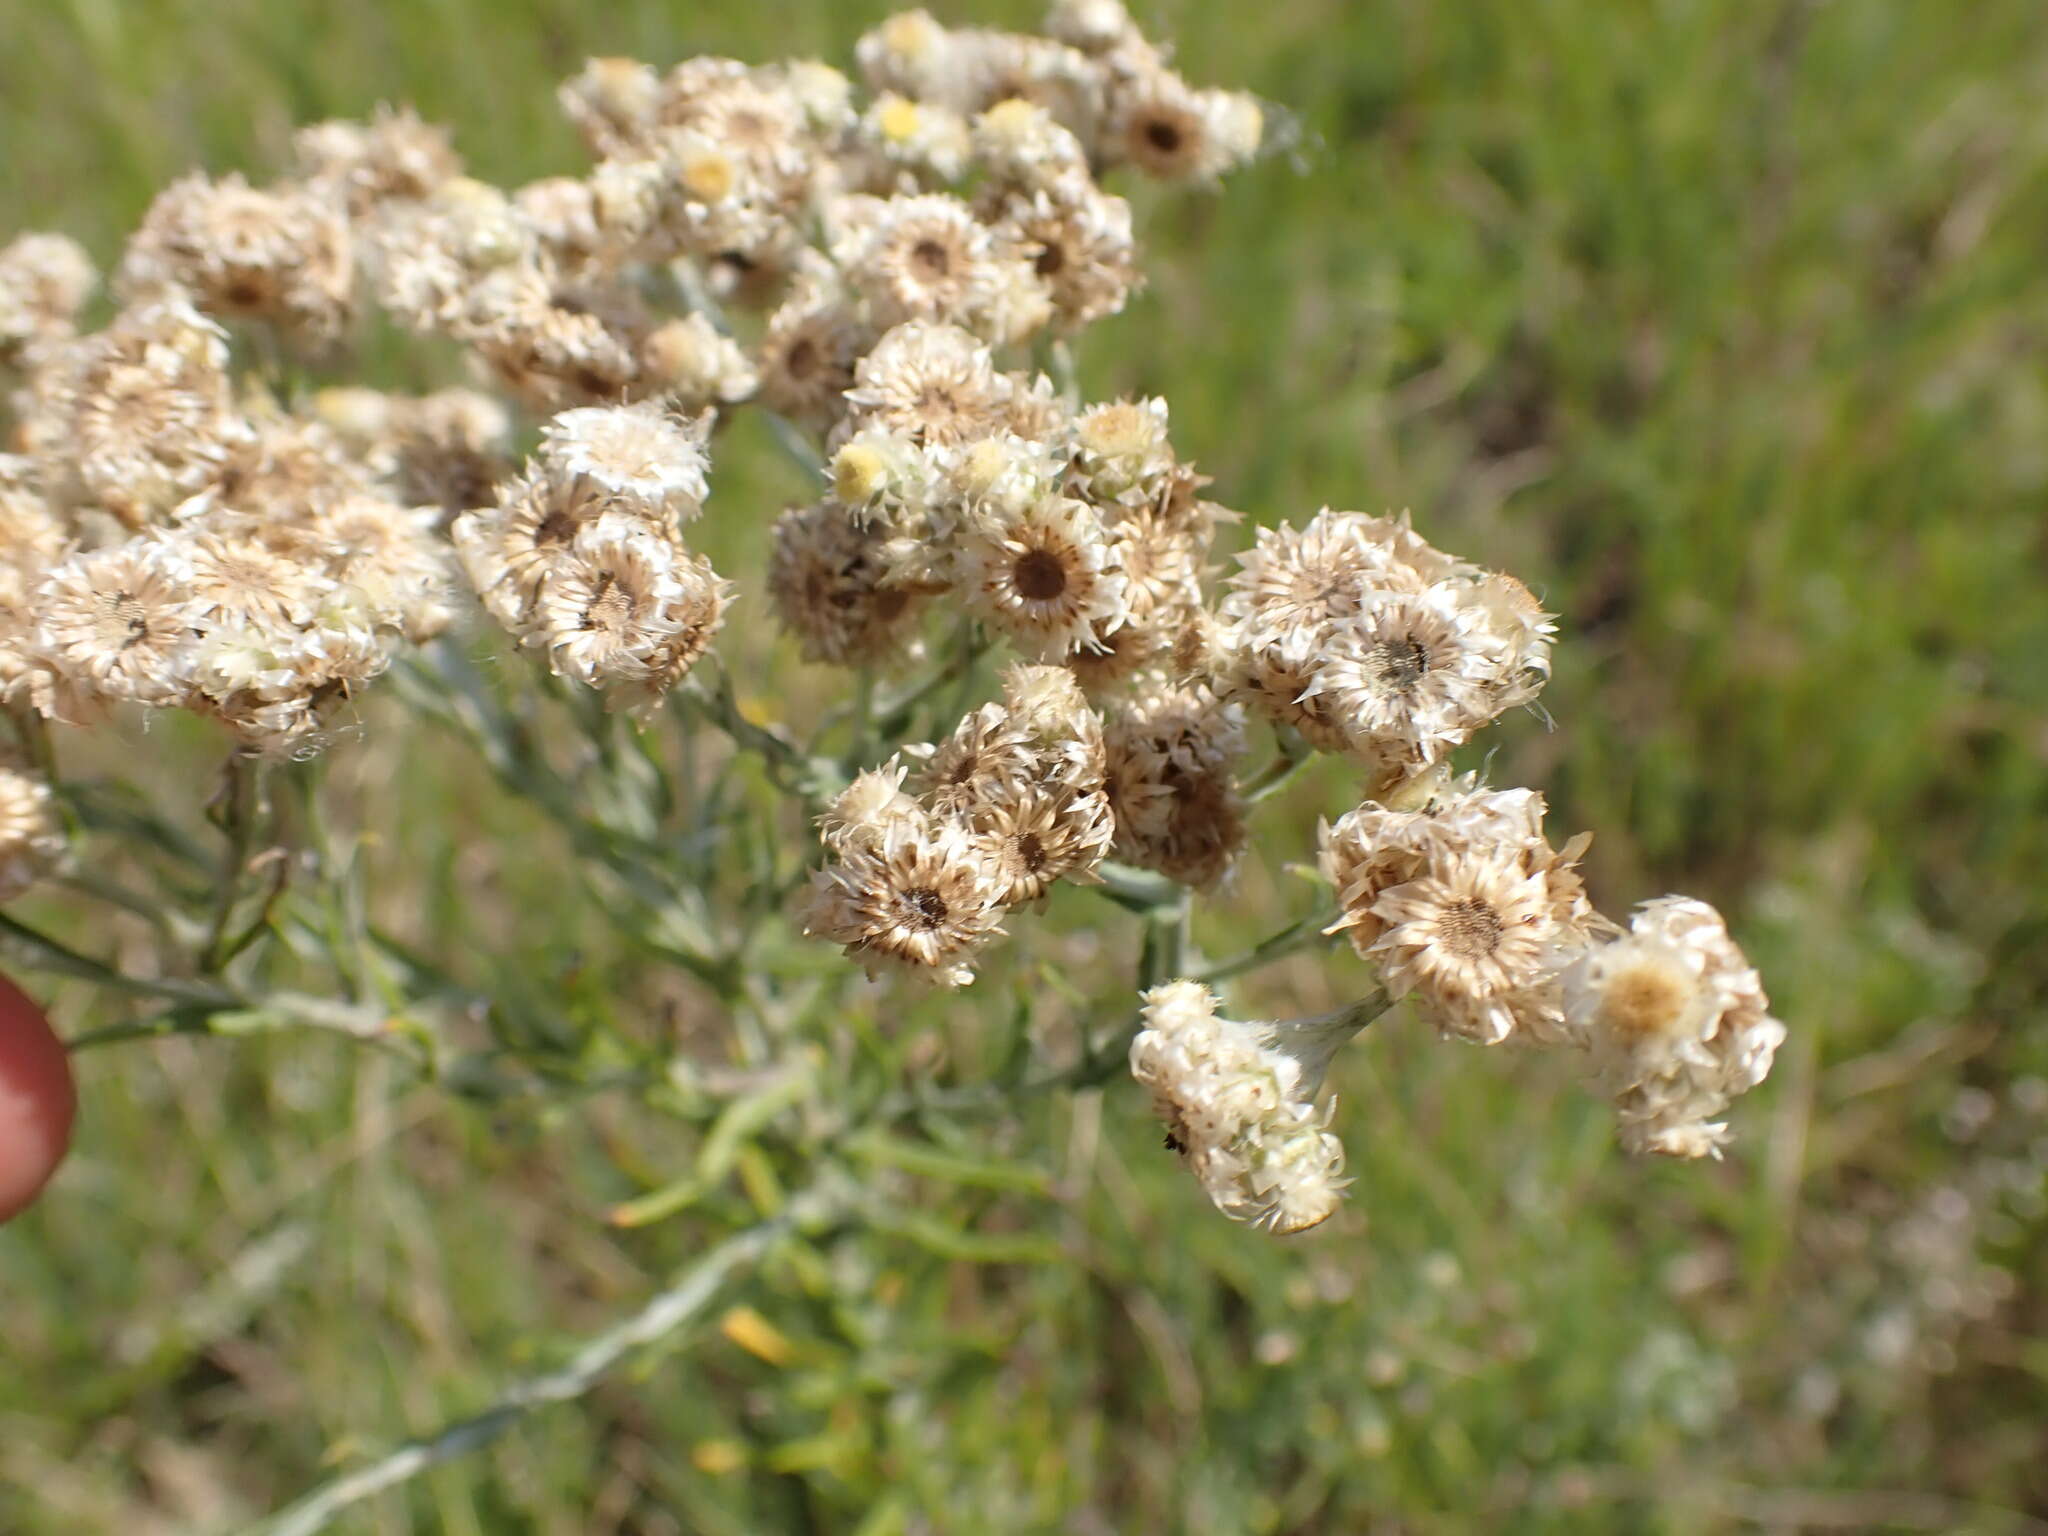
(832, 589)
(1474, 940)
(917, 899)
(284, 256)
(387, 556)
(1358, 632)
(1677, 1022)
(1121, 452)
(692, 364)
(1375, 847)
(393, 157)
(983, 756)
(508, 551)
(45, 280)
(861, 815)
(933, 383)
(556, 345)
(116, 624)
(31, 839)
(1236, 1111)
(1094, 26)
(1278, 672)
(1079, 242)
(452, 449)
(635, 458)
(695, 614)
(1412, 675)
(1023, 147)
(604, 614)
(613, 103)
(1311, 578)
(808, 350)
(235, 579)
(1043, 575)
(1040, 830)
(1168, 129)
(926, 142)
(140, 412)
(1172, 757)
(1050, 710)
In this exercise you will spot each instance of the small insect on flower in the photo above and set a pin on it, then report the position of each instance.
(1235, 1113)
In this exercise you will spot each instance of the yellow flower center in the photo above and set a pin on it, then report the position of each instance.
(898, 119)
(1645, 1001)
(858, 472)
(709, 177)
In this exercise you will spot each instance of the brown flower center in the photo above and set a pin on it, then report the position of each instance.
(1039, 575)
(126, 624)
(1644, 1001)
(1469, 928)
(1399, 664)
(1163, 136)
(928, 909)
(611, 609)
(930, 260)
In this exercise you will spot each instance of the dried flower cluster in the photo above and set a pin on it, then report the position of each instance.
(175, 549)
(1008, 804)
(582, 556)
(184, 524)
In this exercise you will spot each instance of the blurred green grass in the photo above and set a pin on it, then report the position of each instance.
(1722, 324)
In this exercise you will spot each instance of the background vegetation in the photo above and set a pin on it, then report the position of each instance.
(1722, 323)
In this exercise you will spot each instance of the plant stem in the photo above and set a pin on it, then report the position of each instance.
(687, 1294)
(1303, 933)
(242, 807)
(1293, 756)
(33, 732)
(25, 946)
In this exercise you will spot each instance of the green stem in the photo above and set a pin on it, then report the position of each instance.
(31, 949)
(1135, 890)
(33, 731)
(859, 749)
(243, 806)
(1293, 756)
(688, 1293)
(1303, 933)
(970, 644)
(170, 926)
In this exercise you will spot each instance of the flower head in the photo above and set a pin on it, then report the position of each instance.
(31, 839)
(917, 899)
(1235, 1111)
(1677, 1023)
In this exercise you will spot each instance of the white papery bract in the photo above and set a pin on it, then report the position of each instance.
(1231, 1108)
(1677, 1024)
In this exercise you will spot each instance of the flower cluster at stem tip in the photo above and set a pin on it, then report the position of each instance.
(887, 272)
